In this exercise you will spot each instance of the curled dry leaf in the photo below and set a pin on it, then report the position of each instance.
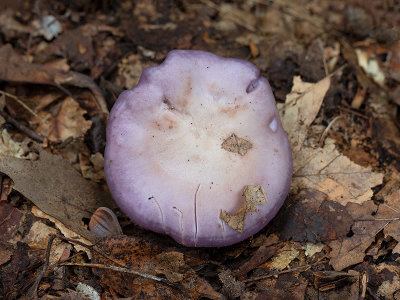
(68, 122)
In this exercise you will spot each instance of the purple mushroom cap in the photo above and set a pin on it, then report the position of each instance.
(197, 150)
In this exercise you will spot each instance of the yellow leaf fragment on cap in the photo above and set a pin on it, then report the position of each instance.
(253, 195)
(236, 144)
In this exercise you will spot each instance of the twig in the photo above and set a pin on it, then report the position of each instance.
(353, 112)
(29, 132)
(325, 133)
(364, 281)
(306, 267)
(33, 290)
(118, 269)
(20, 102)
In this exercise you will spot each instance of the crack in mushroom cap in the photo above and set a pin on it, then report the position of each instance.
(164, 161)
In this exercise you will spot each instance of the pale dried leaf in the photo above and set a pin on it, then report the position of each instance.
(283, 259)
(69, 122)
(330, 172)
(64, 230)
(300, 109)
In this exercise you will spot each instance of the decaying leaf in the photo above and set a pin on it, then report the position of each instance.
(253, 195)
(11, 219)
(327, 280)
(260, 256)
(231, 287)
(39, 74)
(334, 174)
(56, 188)
(236, 144)
(283, 259)
(312, 217)
(68, 233)
(10, 147)
(301, 108)
(351, 249)
(144, 257)
(68, 122)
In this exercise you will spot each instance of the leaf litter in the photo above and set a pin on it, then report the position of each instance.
(335, 75)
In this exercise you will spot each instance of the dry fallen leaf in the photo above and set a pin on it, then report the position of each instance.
(351, 249)
(230, 286)
(10, 147)
(64, 230)
(301, 108)
(56, 188)
(146, 258)
(332, 173)
(22, 71)
(11, 220)
(68, 122)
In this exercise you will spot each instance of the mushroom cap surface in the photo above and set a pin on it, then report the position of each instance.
(197, 150)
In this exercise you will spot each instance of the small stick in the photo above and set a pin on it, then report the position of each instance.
(20, 102)
(29, 132)
(118, 269)
(32, 293)
(305, 267)
(325, 133)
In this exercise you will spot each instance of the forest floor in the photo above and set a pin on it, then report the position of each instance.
(334, 67)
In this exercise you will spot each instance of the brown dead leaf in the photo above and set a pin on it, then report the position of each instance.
(383, 278)
(68, 122)
(10, 147)
(10, 221)
(260, 256)
(68, 233)
(389, 210)
(351, 249)
(19, 267)
(14, 68)
(5, 254)
(38, 238)
(141, 256)
(230, 286)
(56, 188)
(92, 167)
(301, 108)
(311, 217)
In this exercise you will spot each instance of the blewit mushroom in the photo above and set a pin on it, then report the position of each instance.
(197, 150)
